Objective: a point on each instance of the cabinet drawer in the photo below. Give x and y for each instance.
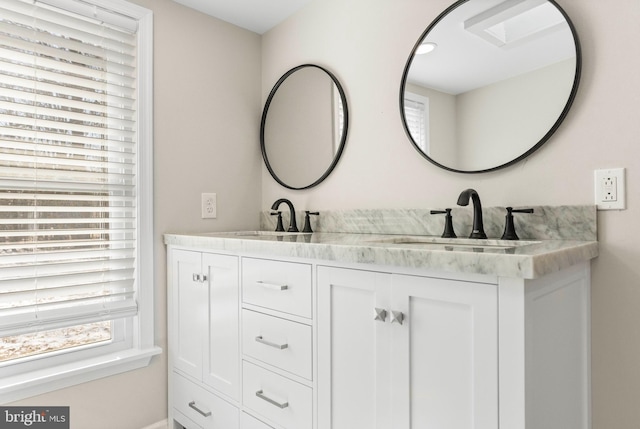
(283, 401)
(278, 342)
(184, 422)
(281, 286)
(203, 407)
(250, 422)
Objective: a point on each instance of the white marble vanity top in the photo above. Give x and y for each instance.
(522, 259)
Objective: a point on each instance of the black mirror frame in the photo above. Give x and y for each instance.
(343, 139)
(543, 140)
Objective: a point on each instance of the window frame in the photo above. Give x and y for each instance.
(134, 344)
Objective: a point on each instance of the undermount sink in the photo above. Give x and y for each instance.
(250, 233)
(451, 244)
(256, 234)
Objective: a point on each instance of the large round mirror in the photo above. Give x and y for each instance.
(304, 127)
(489, 81)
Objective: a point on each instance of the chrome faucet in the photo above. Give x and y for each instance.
(463, 200)
(293, 227)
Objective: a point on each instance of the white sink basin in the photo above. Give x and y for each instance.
(257, 235)
(253, 233)
(454, 244)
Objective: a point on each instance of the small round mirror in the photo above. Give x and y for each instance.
(489, 82)
(304, 127)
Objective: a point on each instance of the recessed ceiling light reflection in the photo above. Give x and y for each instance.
(425, 48)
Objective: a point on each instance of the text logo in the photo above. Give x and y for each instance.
(34, 417)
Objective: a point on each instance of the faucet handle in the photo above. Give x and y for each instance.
(509, 226)
(307, 221)
(279, 226)
(448, 223)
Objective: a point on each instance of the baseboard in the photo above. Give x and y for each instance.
(163, 424)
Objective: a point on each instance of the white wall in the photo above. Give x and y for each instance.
(207, 117)
(542, 93)
(366, 43)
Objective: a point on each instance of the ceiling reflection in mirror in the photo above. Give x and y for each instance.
(304, 127)
(496, 81)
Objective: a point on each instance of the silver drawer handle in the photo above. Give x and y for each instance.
(192, 404)
(270, 344)
(261, 395)
(272, 285)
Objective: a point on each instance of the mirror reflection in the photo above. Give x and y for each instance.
(304, 127)
(489, 82)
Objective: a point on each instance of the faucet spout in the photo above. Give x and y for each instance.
(478, 226)
(293, 227)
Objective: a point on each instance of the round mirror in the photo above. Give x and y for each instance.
(304, 127)
(489, 81)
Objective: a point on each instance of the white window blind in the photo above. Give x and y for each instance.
(416, 117)
(67, 167)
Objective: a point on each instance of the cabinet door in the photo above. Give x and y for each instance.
(353, 350)
(188, 313)
(445, 354)
(222, 358)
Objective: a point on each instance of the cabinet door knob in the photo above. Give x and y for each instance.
(381, 314)
(270, 344)
(397, 317)
(200, 278)
(193, 405)
(260, 394)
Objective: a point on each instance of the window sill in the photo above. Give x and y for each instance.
(33, 383)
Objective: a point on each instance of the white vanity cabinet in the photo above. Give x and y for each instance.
(204, 373)
(271, 340)
(406, 351)
(418, 351)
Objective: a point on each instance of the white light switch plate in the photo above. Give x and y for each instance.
(609, 186)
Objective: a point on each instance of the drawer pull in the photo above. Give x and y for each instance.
(192, 404)
(270, 344)
(262, 396)
(272, 285)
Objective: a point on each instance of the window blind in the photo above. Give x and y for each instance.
(67, 168)
(414, 113)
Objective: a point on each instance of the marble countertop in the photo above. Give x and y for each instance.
(521, 259)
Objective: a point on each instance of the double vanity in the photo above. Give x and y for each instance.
(384, 318)
(366, 324)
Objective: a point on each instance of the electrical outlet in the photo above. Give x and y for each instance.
(209, 206)
(610, 189)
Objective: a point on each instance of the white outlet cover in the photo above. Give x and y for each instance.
(209, 205)
(601, 191)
